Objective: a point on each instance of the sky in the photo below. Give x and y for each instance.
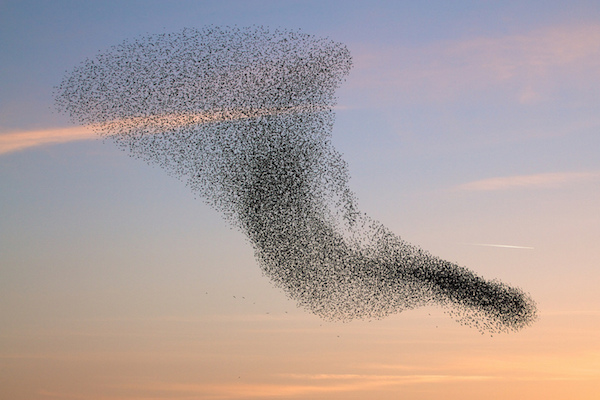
(470, 129)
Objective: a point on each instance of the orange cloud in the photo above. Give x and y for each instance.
(16, 141)
(299, 385)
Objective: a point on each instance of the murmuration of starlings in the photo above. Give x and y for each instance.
(244, 117)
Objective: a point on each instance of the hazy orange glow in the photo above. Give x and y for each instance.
(546, 367)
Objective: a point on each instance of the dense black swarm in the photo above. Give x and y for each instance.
(244, 116)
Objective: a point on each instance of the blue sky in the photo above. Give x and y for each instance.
(463, 124)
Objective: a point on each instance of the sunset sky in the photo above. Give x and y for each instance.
(470, 128)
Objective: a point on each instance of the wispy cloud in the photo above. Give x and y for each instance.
(529, 66)
(303, 385)
(371, 379)
(22, 140)
(16, 141)
(547, 180)
(295, 385)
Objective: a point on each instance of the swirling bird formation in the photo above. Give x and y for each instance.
(244, 116)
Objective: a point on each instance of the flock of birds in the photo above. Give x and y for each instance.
(244, 116)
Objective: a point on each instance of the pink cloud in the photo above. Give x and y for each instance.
(528, 181)
(529, 66)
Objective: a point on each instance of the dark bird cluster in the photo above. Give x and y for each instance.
(244, 117)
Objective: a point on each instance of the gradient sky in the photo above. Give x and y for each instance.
(471, 128)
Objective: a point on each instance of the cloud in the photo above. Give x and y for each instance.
(297, 385)
(16, 141)
(530, 66)
(546, 369)
(548, 180)
(22, 140)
